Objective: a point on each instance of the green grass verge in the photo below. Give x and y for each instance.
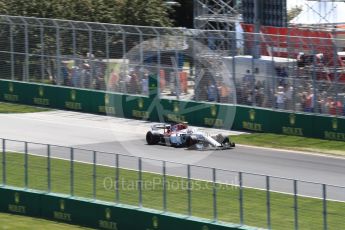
(14, 222)
(17, 108)
(282, 211)
(291, 143)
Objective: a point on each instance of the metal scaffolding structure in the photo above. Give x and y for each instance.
(215, 14)
(319, 14)
(224, 14)
(214, 19)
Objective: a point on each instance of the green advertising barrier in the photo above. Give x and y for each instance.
(136, 107)
(20, 202)
(307, 125)
(43, 95)
(106, 103)
(152, 108)
(268, 121)
(251, 119)
(330, 128)
(181, 111)
(82, 100)
(197, 113)
(100, 215)
(294, 124)
(14, 92)
(73, 99)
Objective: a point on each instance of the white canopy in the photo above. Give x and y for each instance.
(321, 12)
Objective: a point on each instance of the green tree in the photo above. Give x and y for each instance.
(139, 12)
(135, 12)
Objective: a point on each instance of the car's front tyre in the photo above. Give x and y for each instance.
(191, 141)
(226, 142)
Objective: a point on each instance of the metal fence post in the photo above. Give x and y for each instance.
(141, 50)
(107, 56)
(241, 197)
(3, 161)
(12, 50)
(90, 54)
(295, 203)
(72, 172)
(58, 51)
(94, 173)
(42, 49)
(268, 202)
(26, 38)
(233, 65)
(189, 190)
(335, 72)
(140, 182)
(49, 167)
(124, 50)
(164, 188)
(314, 76)
(274, 85)
(90, 31)
(26, 164)
(324, 204)
(174, 61)
(74, 43)
(117, 174)
(214, 179)
(158, 60)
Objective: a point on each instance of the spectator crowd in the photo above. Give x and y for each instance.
(96, 75)
(292, 93)
(280, 92)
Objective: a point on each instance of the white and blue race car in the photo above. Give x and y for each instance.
(180, 135)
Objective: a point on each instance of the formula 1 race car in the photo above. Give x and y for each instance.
(180, 135)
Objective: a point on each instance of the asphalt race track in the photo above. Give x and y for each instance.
(127, 137)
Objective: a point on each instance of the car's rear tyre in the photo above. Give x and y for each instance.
(152, 138)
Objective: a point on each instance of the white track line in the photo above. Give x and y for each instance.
(295, 151)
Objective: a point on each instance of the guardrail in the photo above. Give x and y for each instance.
(191, 190)
(153, 108)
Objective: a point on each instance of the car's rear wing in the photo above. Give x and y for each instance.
(160, 126)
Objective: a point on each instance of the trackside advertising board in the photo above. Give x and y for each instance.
(98, 215)
(152, 108)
